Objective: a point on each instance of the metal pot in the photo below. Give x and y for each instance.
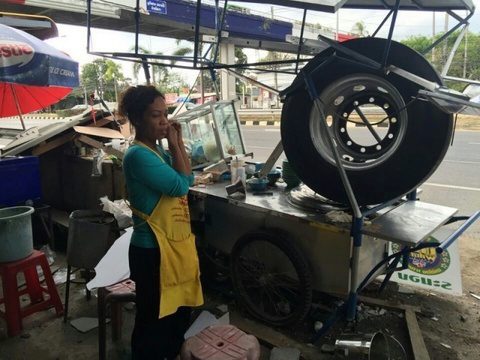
(362, 346)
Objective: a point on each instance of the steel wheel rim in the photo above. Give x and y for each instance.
(344, 100)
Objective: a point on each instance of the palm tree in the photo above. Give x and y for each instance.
(101, 73)
(360, 29)
(275, 56)
(159, 71)
(155, 70)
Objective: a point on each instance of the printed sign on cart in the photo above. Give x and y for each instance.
(158, 7)
(432, 271)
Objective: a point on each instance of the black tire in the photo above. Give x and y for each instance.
(422, 138)
(268, 295)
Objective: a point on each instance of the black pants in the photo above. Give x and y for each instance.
(153, 338)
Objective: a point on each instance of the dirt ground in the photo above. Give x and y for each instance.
(458, 324)
(468, 122)
(450, 326)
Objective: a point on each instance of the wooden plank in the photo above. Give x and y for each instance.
(99, 131)
(420, 351)
(99, 145)
(50, 145)
(125, 129)
(387, 304)
(102, 122)
(272, 338)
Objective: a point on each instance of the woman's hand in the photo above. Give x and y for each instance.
(172, 136)
(181, 162)
(176, 125)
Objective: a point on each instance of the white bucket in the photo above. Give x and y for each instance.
(16, 240)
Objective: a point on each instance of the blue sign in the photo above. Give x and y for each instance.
(157, 7)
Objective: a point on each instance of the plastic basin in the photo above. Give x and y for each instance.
(16, 241)
(256, 184)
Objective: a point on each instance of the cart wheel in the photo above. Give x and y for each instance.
(271, 278)
(405, 139)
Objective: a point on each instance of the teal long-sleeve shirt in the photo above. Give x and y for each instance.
(147, 178)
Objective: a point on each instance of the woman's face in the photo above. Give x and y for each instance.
(155, 119)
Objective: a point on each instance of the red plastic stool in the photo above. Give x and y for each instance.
(11, 294)
(221, 342)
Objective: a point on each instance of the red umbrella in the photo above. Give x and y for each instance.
(30, 98)
(33, 74)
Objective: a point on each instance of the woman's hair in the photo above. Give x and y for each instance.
(135, 101)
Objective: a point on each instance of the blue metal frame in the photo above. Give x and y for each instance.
(349, 308)
(201, 63)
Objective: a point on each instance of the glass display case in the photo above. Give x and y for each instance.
(211, 132)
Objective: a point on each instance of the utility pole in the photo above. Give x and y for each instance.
(445, 42)
(433, 36)
(116, 90)
(337, 25)
(275, 74)
(465, 54)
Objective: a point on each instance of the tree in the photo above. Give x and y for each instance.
(418, 42)
(174, 84)
(469, 66)
(240, 58)
(360, 29)
(155, 71)
(276, 56)
(102, 76)
(160, 73)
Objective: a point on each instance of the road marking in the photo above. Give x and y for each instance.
(266, 129)
(462, 162)
(453, 186)
(474, 143)
(260, 147)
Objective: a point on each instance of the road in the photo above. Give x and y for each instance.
(456, 182)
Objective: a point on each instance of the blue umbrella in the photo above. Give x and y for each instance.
(33, 74)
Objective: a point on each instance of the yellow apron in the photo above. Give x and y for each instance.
(179, 267)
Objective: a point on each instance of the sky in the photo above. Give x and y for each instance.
(72, 39)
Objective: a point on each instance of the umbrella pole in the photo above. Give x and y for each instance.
(17, 105)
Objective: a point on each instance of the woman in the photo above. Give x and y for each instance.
(162, 255)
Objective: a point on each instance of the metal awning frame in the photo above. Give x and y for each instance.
(197, 61)
(202, 62)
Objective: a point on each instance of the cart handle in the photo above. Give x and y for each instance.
(444, 245)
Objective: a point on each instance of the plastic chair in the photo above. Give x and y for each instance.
(90, 235)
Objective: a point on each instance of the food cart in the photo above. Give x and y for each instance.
(285, 243)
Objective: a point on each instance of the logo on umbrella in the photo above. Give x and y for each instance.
(33, 75)
(15, 52)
